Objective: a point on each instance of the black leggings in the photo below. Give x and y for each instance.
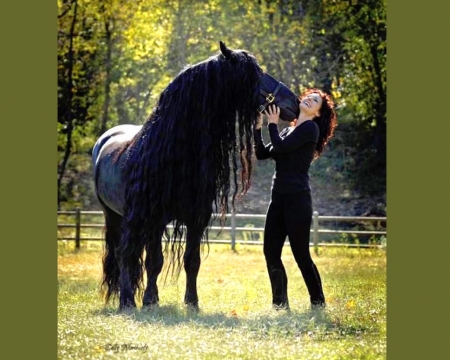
(290, 215)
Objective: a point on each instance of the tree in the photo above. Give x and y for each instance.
(115, 57)
(75, 78)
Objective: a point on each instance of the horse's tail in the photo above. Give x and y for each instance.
(111, 270)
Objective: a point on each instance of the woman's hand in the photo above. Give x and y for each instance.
(273, 114)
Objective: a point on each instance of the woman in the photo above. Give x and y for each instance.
(290, 209)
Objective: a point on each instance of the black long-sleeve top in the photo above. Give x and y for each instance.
(293, 151)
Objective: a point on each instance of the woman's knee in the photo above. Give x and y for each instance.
(303, 259)
(273, 262)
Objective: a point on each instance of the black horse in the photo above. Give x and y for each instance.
(176, 168)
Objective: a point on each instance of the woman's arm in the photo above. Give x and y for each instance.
(262, 151)
(298, 137)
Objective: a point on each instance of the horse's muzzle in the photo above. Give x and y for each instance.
(275, 92)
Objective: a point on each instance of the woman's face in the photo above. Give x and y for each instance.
(310, 105)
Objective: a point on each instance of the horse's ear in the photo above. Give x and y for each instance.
(225, 51)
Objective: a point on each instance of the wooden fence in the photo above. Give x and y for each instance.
(248, 232)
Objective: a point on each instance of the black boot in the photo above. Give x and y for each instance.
(278, 281)
(314, 284)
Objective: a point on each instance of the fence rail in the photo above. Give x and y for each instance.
(78, 225)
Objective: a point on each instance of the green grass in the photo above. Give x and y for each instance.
(236, 320)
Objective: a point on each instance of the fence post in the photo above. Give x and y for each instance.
(233, 230)
(77, 227)
(316, 231)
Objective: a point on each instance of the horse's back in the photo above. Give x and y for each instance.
(117, 134)
(108, 167)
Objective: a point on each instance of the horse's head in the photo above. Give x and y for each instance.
(271, 91)
(275, 92)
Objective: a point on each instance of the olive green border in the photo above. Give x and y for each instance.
(28, 181)
(417, 179)
(418, 195)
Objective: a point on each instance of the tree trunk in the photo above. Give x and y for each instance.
(108, 80)
(69, 118)
(379, 133)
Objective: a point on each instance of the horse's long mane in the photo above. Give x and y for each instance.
(180, 164)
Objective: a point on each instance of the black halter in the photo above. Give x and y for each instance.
(270, 97)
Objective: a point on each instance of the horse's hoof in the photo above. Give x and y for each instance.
(150, 306)
(281, 306)
(130, 305)
(192, 308)
(150, 300)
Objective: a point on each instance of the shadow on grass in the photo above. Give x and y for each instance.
(322, 323)
(265, 323)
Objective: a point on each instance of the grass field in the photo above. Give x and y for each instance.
(235, 319)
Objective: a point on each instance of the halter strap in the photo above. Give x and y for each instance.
(270, 97)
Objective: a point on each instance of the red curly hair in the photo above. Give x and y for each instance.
(327, 120)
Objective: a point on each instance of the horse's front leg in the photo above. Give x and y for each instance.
(192, 267)
(153, 264)
(126, 297)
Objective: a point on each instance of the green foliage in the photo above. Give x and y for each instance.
(115, 58)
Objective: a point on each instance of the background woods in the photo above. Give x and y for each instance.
(116, 56)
